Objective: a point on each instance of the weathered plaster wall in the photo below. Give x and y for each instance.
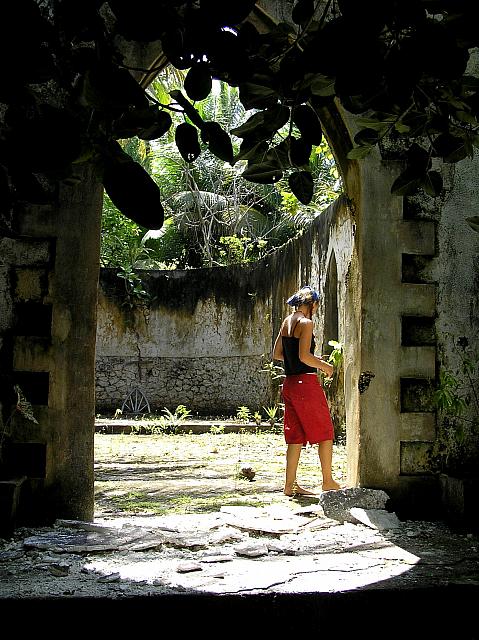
(196, 348)
(206, 334)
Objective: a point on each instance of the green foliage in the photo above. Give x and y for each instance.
(212, 215)
(176, 417)
(217, 429)
(447, 397)
(166, 250)
(276, 372)
(456, 399)
(168, 422)
(272, 413)
(243, 414)
(234, 250)
(135, 294)
(336, 356)
(70, 97)
(276, 375)
(120, 237)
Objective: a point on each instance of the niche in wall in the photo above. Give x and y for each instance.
(331, 323)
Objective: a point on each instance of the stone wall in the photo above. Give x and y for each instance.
(205, 334)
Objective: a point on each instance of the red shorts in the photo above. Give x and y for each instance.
(306, 410)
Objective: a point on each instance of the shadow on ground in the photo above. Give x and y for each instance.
(179, 538)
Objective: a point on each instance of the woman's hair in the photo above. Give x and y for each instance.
(305, 295)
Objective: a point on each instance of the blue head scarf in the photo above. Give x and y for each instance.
(305, 295)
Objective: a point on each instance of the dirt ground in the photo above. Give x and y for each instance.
(178, 520)
(197, 473)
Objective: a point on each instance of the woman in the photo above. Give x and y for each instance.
(306, 411)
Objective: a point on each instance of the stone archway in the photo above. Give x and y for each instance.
(387, 442)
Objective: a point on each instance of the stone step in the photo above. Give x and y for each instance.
(195, 426)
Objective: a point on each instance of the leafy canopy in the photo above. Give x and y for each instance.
(69, 97)
(212, 215)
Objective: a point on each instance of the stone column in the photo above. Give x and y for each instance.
(62, 360)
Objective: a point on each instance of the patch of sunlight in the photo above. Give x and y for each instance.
(298, 573)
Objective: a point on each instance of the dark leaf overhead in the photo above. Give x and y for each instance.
(218, 141)
(133, 192)
(186, 138)
(397, 67)
(198, 81)
(301, 184)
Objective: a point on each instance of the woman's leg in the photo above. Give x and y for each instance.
(325, 449)
(291, 487)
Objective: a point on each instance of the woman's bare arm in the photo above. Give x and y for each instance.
(278, 348)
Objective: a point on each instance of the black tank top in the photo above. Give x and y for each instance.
(292, 364)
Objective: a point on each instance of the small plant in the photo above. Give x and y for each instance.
(275, 372)
(272, 413)
(243, 414)
(217, 429)
(335, 358)
(276, 375)
(336, 355)
(175, 418)
(135, 292)
(257, 417)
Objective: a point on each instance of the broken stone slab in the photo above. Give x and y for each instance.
(188, 567)
(376, 518)
(268, 525)
(112, 577)
(226, 534)
(159, 539)
(216, 558)
(81, 541)
(337, 504)
(263, 521)
(84, 526)
(281, 546)
(310, 509)
(59, 569)
(6, 556)
(251, 550)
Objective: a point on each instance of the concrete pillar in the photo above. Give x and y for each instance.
(396, 432)
(56, 368)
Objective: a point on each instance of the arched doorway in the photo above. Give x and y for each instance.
(383, 437)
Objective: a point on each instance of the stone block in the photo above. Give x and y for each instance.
(415, 458)
(418, 362)
(337, 504)
(376, 518)
(417, 236)
(417, 299)
(418, 426)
